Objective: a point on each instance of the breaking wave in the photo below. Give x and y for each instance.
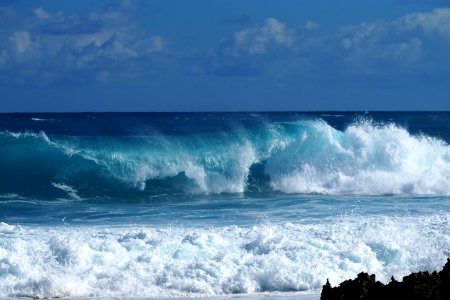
(306, 156)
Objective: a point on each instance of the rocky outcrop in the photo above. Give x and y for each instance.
(420, 285)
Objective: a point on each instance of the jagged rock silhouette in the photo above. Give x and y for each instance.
(416, 286)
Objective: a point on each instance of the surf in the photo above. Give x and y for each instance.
(306, 156)
(141, 261)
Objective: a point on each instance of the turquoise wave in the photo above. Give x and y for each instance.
(305, 156)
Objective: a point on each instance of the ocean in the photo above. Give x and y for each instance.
(219, 205)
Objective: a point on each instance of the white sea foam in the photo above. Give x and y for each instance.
(41, 120)
(173, 262)
(11, 196)
(364, 159)
(26, 134)
(71, 192)
(8, 229)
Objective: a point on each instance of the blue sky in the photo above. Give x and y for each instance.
(224, 55)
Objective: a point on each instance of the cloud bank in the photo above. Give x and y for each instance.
(39, 47)
(43, 47)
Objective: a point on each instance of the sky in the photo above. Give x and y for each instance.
(224, 55)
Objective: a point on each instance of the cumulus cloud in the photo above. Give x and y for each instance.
(435, 22)
(258, 39)
(246, 52)
(242, 54)
(410, 40)
(105, 43)
(418, 41)
(21, 41)
(41, 13)
(71, 43)
(155, 44)
(311, 25)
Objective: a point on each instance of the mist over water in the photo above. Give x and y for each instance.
(177, 205)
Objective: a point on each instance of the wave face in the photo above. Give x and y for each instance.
(306, 155)
(161, 262)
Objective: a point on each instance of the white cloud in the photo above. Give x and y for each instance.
(99, 41)
(117, 48)
(42, 47)
(407, 52)
(367, 48)
(311, 25)
(156, 44)
(248, 51)
(437, 21)
(42, 14)
(411, 27)
(256, 40)
(346, 43)
(362, 34)
(97, 38)
(399, 41)
(21, 42)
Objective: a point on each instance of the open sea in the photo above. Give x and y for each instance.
(219, 205)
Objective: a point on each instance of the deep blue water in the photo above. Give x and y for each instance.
(177, 204)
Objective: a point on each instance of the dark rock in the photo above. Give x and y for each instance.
(416, 286)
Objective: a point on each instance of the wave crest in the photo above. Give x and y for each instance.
(364, 159)
(306, 156)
